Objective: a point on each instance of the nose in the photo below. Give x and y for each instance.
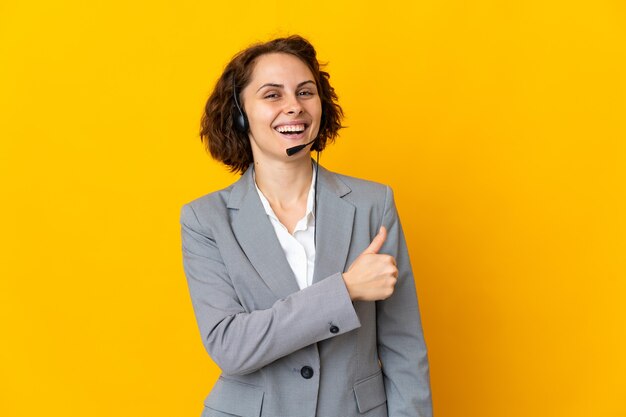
(293, 106)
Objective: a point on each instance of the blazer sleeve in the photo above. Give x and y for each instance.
(401, 345)
(241, 342)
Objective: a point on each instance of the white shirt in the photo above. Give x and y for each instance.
(299, 248)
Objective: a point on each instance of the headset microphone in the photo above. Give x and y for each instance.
(295, 149)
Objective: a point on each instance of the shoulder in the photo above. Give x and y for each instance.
(203, 209)
(364, 192)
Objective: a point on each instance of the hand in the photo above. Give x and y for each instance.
(372, 276)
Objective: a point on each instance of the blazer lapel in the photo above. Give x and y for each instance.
(257, 238)
(334, 222)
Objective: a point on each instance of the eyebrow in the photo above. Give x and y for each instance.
(282, 86)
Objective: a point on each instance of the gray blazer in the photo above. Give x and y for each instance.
(286, 352)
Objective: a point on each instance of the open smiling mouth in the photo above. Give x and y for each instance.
(291, 131)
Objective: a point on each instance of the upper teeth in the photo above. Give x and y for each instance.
(290, 128)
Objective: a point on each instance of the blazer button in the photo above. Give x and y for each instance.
(334, 329)
(306, 372)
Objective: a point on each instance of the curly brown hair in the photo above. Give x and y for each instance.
(217, 131)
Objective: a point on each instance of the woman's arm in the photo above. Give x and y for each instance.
(401, 346)
(242, 342)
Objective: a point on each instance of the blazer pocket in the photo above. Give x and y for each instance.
(236, 398)
(370, 392)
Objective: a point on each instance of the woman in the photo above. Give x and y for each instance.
(299, 277)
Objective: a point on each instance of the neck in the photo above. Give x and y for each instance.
(284, 184)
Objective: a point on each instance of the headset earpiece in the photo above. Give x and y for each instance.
(240, 120)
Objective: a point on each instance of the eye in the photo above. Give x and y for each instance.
(305, 93)
(271, 96)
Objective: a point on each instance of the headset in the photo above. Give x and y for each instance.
(240, 121)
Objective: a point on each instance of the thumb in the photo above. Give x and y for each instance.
(377, 242)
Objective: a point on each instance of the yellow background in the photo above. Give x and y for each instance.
(500, 125)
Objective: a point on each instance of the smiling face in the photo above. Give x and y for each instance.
(283, 107)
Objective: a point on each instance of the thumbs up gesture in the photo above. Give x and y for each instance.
(372, 276)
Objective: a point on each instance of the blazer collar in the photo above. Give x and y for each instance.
(255, 234)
